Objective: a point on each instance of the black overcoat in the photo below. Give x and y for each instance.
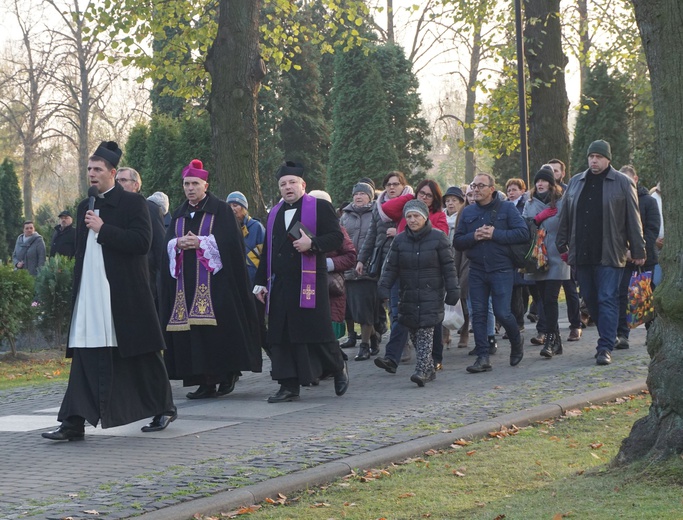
(287, 321)
(233, 344)
(423, 264)
(125, 237)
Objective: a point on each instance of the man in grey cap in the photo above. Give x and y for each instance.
(599, 231)
(64, 237)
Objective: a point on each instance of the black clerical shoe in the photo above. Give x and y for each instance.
(226, 387)
(283, 396)
(64, 434)
(341, 381)
(159, 422)
(203, 392)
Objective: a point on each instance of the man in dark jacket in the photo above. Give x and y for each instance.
(131, 181)
(599, 223)
(293, 276)
(651, 220)
(64, 237)
(117, 373)
(485, 230)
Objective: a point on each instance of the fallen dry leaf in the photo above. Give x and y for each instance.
(499, 517)
(242, 511)
(406, 495)
(596, 445)
(92, 512)
(458, 473)
(470, 453)
(321, 504)
(462, 442)
(594, 455)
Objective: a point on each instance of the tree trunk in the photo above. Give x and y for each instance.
(390, 22)
(584, 42)
(83, 117)
(471, 98)
(27, 181)
(660, 434)
(548, 133)
(234, 64)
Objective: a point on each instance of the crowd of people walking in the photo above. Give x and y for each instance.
(194, 294)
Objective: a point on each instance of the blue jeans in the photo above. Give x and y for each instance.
(490, 322)
(498, 286)
(599, 287)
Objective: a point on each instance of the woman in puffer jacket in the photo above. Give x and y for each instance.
(421, 259)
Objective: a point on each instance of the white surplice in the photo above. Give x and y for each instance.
(92, 323)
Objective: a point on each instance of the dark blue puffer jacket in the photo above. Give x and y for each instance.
(490, 255)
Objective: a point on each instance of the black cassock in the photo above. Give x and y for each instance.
(207, 354)
(302, 341)
(123, 384)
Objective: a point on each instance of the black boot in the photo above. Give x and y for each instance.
(548, 345)
(363, 352)
(557, 346)
(493, 346)
(517, 351)
(482, 364)
(350, 341)
(374, 344)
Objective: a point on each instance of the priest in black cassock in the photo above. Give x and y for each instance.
(205, 303)
(292, 280)
(117, 373)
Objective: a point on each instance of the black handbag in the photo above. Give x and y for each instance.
(335, 284)
(375, 265)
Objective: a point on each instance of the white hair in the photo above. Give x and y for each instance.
(320, 194)
(160, 199)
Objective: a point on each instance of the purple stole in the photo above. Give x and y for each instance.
(308, 261)
(201, 312)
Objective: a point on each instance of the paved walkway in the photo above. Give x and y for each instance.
(238, 447)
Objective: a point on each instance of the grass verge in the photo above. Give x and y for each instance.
(555, 469)
(33, 368)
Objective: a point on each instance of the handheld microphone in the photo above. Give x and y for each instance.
(92, 193)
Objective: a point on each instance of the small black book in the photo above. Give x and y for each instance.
(297, 229)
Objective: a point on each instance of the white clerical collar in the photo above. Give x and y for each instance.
(289, 215)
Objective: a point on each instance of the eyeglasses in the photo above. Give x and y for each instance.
(122, 181)
(479, 186)
(425, 195)
(392, 184)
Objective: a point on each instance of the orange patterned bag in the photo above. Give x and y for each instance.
(640, 308)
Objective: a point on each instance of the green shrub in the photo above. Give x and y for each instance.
(53, 294)
(16, 296)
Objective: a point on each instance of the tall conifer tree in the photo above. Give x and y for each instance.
(362, 142)
(12, 210)
(606, 117)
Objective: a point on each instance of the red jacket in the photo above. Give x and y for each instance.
(394, 210)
